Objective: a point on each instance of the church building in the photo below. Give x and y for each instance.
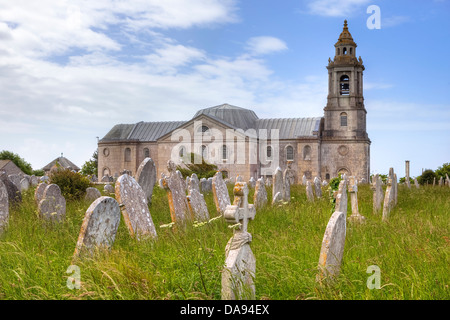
(240, 143)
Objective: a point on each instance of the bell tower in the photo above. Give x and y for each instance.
(345, 143)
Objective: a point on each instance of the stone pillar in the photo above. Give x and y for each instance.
(407, 173)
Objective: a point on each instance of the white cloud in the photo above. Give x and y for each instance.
(265, 45)
(335, 8)
(387, 22)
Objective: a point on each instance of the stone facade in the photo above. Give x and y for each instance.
(240, 143)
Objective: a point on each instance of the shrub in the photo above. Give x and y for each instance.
(427, 176)
(202, 170)
(73, 185)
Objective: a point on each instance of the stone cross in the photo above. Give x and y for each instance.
(174, 184)
(53, 205)
(353, 190)
(309, 191)
(4, 207)
(146, 177)
(317, 187)
(389, 200)
(240, 262)
(135, 212)
(99, 226)
(260, 195)
(220, 193)
(332, 249)
(377, 193)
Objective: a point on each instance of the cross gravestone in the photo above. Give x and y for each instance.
(341, 196)
(278, 186)
(53, 205)
(389, 200)
(4, 207)
(377, 193)
(240, 262)
(135, 212)
(146, 177)
(317, 187)
(309, 191)
(332, 249)
(174, 185)
(99, 226)
(353, 190)
(220, 193)
(260, 195)
(92, 194)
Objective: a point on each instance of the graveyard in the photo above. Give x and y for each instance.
(154, 252)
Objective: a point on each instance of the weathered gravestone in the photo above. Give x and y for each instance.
(193, 182)
(196, 201)
(4, 207)
(206, 185)
(389, 200)
(99, 226)
(287, 181)
(395, 188)
(53, 205)
(240, 262)
(416, 183)
(278, 186)
(135, 212)
(353, 190)
(174, 185)
(239, 178)
(332, 250)
(260, 195)
(14, 194)
(317, 187)
(24, 184)
(440, 181)
(341, 196)
(146, 177)
(377, 189)
(92, 194)
(251, 182)
(447, 181)
(108, 188)
(15, 178)
(289, 174)
(304, 180)
(39, 192)
(309, 191)
(220, 193)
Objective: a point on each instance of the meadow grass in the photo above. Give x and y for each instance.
(411, 250)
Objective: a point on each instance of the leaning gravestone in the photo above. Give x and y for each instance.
(4, 207)
(260, 195)
(341, 196)
(332, 249)
(39, 192)
(175, 187)
(317, 187)
(309, 191)
(389, 200)
(14, 194)
(99, 226)
(136, 214)
(353, 190)
(220, 193)
(240, 262)
(377, 193)
(146, 177)
(197, 204)
(92, 194)
(15, 178)
(53, 205)
(278, 186)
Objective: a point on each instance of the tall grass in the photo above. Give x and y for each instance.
(411, 249)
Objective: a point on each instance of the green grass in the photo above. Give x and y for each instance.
(411, 249)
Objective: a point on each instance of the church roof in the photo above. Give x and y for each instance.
(291, 128)
(345, 37)
(236, 117)
(142, 131)
(63, 162)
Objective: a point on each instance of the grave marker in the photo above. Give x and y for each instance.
(146, 177)
(4, 207)
(220, 193)
(53, 205)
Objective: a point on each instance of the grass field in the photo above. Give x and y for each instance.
(411, 251)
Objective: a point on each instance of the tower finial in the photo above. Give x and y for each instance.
(345, 23)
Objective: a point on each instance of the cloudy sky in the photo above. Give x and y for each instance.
(71, 70)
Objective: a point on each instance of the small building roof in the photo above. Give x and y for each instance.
(10, 167)
(63, 162)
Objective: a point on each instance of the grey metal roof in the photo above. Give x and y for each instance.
(291, 128)
(236, 117)
(118, 132)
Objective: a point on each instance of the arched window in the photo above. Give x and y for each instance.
(344, 85)
(344, 51)
(106, 172)
(289, 153)
(127, 154)
(269, 153)
(307, 153)
(146, 153)
(224, 152)
(351, 50)
(327, 176)
(203, 129)
(204, 152)
(182, 152)
(343, 119)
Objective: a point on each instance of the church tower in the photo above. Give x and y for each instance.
(344, 135)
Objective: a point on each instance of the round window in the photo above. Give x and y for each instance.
(106, 152)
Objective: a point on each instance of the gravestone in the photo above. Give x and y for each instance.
(395, 188)
(332, 249)
(251, 182)
(304, 180)
(260, 195)
(440, 181)
(389, 200)
(4, 207)
(287, 181)
(53, 205)
(317, 187)
(416, 183)
(193, 182)
(341, 196)
(309, 191)
(146, 177)
(92, 194)
(434, 181)
(239, 178)
(278, 186)
(15, 178)
(240, 262)
(377, 193)
(94, 178)
(353, 190)
(44, 179)
(34, 181)
(14, 194)
(175, 187)
(108, 188)
(24, 184)
(289, 174)
(220, 193)
(408, 183)
(105, 179)
(99, 226)
(447, 181)
(39, 192)
(206, 185)
(135, 212)
(197, 204)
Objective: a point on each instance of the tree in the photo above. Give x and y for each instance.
(442, 170)
(202, 170)
(90, 167)
(427, 176)
(18, 161)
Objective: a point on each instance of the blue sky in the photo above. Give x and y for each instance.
(70, 70)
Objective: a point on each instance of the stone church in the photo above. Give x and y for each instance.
(240, 143)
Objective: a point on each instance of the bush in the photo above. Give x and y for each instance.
(427, 176)
(202, 170)
(73, 185)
